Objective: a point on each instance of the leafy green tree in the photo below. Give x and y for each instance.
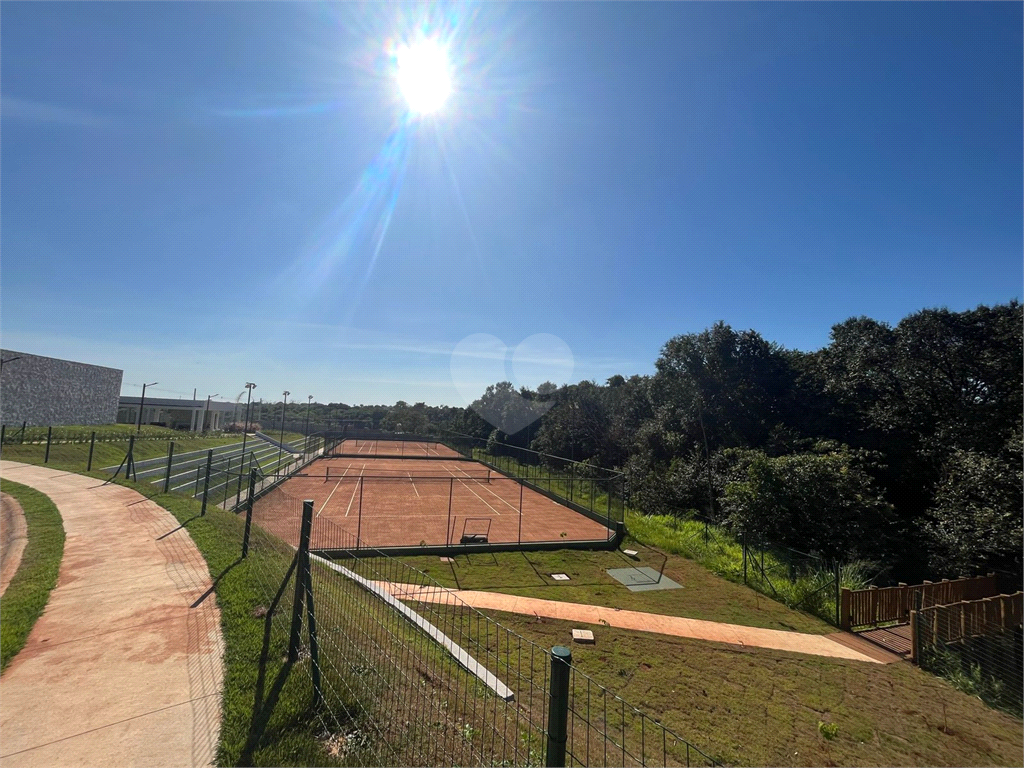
(820, 502)
(976, 521)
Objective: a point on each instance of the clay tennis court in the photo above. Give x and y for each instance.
(411, 502)
(418, 448)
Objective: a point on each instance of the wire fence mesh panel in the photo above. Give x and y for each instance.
(402, 672)
(976, 645)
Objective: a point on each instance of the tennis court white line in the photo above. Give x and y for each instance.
(332, 493)
(413, 484)
(514, 508)
(465, 485)
(354, 490)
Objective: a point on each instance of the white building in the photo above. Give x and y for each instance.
(191, 415)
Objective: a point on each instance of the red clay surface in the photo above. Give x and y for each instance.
(398, 503)
(397, 448)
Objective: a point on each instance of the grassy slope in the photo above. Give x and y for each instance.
(74, 456)
(703, 595)
(760, 707)
(26, 595)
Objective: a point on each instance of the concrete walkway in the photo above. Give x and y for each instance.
(734, 634)
(124, 667)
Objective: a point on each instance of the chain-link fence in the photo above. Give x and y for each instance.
(976, 645)
(404, 673)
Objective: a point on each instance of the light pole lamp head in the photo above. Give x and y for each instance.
(286, 393)
(250, 385)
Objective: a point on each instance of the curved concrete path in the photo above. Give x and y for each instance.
(124, 667)
(698, 629)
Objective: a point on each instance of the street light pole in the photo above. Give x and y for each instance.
(142, 402)
(309, 402)
(245, 433)
(206, 413)
(280, 445)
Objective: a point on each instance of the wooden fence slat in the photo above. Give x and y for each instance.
(876, 605)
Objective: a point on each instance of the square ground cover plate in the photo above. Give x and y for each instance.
(642, 579)
(559, 577)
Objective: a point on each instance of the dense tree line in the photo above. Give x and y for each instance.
(899, 444)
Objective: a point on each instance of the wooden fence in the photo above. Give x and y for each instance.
(960, 621)
(873, 606)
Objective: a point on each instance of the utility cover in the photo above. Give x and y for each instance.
(642, 579)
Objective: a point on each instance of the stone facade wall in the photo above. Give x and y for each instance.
(45, 391)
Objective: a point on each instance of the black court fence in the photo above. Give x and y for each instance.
(400, 511)
(392, 446)
(218, 475)
(977, 646)
(402, 672)
(583, 486)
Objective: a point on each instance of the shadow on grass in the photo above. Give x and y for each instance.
(263, 705)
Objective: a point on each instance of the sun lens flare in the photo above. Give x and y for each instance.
(423, 75)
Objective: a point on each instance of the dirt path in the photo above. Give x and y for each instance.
(13, 538)
(124, 666)
(734, 634)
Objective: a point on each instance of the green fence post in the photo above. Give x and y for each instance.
(743, 538)
(24, 424)
(248, 512)
(92, 446)
(301, 565)
(206, 484)
(558, 709)
(314, 644)
(170, 459)
(838, 591)
(49, 435)
(3, 431)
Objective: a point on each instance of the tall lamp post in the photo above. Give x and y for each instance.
(206, 413)
(245, 433)
(309, 402)
(142, 402)
(280, 445)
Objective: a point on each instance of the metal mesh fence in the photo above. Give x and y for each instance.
(404, 673)
(976, 645)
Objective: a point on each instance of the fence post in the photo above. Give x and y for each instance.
(520, 539)
(206, 483)
(314, 643)
(170, 459)
(248, 512)
(3, 432)
(24, 424)
(92, 445)
(558, 707)
(129, 468)
(49, 435)
(915, 638)
(448, 530)
(301, 564)
(359, 521)
(844, 612)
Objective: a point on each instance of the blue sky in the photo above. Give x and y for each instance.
(206, 194)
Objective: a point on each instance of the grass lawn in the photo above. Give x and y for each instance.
(26, 595)
(761, 707)
(75, 456)
(704, 595)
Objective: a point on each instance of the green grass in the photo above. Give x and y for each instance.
(722, 554)
(703, 595)
(26, 595)
(74, 456)
(761, 707)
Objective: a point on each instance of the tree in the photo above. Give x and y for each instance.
(824, 503)
(975, 524)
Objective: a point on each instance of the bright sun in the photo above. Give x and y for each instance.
(423, 75)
